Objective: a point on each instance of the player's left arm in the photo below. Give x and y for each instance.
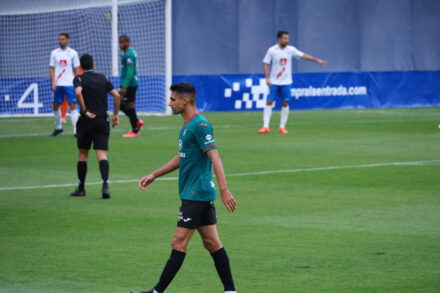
(227, 198)
(116, 104)
(311, 58)
(76, 71)
(76, 65)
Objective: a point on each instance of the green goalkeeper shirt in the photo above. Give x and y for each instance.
(195, 170)
(128, 70)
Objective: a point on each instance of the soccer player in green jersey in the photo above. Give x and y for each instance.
(129, 85)
(197, 156)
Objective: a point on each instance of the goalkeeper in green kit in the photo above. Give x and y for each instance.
(129, 85)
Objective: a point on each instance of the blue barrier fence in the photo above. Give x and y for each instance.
(29, 96)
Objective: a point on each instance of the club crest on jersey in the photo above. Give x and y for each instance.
(283, 61)
(63, 63)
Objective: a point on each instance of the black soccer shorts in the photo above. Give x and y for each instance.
(96, 131)
(194, 214)
(130, 96)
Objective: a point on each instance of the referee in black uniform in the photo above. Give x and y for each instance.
(93, 126)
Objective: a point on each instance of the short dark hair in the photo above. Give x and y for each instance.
(86, 61)
(281, 33)
(65, 34)
(185, 89)
(124, 37)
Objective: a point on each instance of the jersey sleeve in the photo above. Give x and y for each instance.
(268, 57)
(75, 60)
(204, 135)
(296, 53)
(77, 82)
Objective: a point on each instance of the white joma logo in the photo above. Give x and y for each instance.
(186, 220)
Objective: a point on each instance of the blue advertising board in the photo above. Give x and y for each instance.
(321, 90)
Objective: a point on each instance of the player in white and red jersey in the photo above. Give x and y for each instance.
(279, 57)
(64, 65)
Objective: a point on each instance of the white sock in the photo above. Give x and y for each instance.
(284, 116)
(267, 112)
(57, 116)
(74, 117)
(154, 291)
(230, 291)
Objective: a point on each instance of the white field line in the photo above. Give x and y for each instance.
(239, 174)
(68, 132)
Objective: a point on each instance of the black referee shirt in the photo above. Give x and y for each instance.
(95, 88)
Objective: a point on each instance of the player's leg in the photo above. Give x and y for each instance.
(58, 97)
(128, 107)
(267, 112)
(212, 243)
(100, 144)
(189, 217)
(81, 169)
(64, 111)
(74, 114)
(131, 93)
(84, 142)
(180, 241)
(285, 98)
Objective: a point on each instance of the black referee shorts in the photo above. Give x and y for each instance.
(194, 214)
(96, 130)
(130, 96)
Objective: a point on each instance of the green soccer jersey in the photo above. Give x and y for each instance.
(128, 70)
(195, 170)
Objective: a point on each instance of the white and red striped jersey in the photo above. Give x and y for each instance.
(281, 63)
(64, 61)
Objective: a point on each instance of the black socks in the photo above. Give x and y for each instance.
(221, 262)
(171, 268)
(104, 168)
(81, 168)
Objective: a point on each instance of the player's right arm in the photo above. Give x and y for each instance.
(266, 74)
(52, 77)
(266, 61)
(169, 167)
(79, 97)
(53, 81)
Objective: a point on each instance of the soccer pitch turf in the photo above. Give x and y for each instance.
(356, 209)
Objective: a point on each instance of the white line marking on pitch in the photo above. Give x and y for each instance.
(239, 174)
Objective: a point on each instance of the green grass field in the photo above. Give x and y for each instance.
(331, 222)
